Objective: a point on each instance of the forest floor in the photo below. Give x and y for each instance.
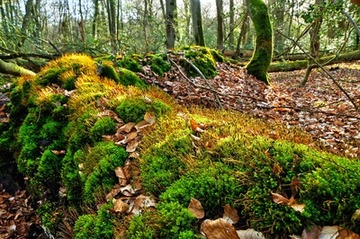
(319, 107)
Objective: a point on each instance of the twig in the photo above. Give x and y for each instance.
(210, 88)
(325, 71)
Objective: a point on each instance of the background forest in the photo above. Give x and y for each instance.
(50, 28)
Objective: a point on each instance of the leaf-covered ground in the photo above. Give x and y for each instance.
(319, 107)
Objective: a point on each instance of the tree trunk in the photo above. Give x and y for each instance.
(261, 59)
(26, 21)
(220, 34)
(197, 22)
(170, 23)
(95, 18)
(13, 69)
(232, 25)
(314, 41)
(243, 32)
(111, 11)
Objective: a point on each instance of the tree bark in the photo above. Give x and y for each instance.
(232, 25)
(314, 41)
(197, 22)
(170, 23)
(220, 34)
(13, 69)
(262, 56)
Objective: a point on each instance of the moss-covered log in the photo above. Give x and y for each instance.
(261, 59)
(13, 69)
(302, 64)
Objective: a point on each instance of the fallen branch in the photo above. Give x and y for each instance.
(13, 69)
(325, 71)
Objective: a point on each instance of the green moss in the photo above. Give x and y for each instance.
(51, 76)
(128, 77)
(203, 59)
(214, 186)
(100, 226)
(159, 64)
(107, 70)
(176, 220)
(102, 127)
(70, 175)
(139, 227)
(261, 59)
(99, 165)
(163, 164)
(130, 63)
(134, 109)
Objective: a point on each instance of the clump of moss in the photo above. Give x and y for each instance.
(213, 186)
(130, 63)
(128, 77)
(102, 127)
(163, 163)
(96, 226)
(159, 64)
(106, 69)
(171, 220)
(134, 109)
(98, 166)
(203, 59)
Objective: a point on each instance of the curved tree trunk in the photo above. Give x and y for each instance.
(13, 69)
(261, 59)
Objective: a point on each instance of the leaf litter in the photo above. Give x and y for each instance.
(319, 107)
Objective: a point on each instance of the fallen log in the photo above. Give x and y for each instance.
(302, 64)
(13, 69)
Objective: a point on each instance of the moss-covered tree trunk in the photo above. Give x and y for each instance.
(261, 59)
(13, 69)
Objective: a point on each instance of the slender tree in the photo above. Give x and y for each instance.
(262, 56)
(220, 22)
(197, 22)
(170, 23)
(231, 24)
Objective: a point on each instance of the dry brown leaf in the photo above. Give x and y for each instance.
(218, 229)
(127, 127)
(130, 136)
(120, 206)
(114, 191)
(250, 234)
(196, 208)
(141, 203)
(196, 127)
(119, 172)
(231, 213)
(59, 152)
(295, 205)
(127, 190)
(311, 233)
(149, 118)
(132, 145)
(279, 199)
(142, 125)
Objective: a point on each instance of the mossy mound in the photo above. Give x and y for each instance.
(56, 129)
(57, 138)
(202, 58)
(240, 161)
